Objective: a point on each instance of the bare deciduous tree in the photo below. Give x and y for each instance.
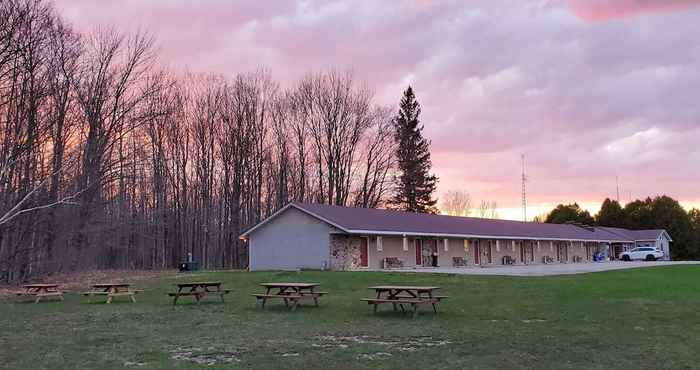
(488, 209)
(456, 203)
(111, 85)
(377, 160)
(107, 161)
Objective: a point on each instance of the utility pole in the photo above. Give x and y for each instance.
(524, 195)
(617, 185)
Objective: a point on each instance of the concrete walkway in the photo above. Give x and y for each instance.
(545, 270)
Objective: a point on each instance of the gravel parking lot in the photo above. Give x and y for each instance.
(548, 270)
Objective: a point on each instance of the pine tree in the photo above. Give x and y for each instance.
(414, 184)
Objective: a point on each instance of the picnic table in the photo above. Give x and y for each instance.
(39, 291)
(290, 293)
(112, 290)
(199, 290)
(399, 295)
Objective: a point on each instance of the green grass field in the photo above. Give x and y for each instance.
(641, 318)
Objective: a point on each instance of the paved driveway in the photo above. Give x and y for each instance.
(547, 270)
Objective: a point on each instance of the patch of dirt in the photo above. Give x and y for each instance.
(131, 363)
(529, 321)
(389, 344)
(200, 357)
(6, 292)
(79, 281)
(374, 356)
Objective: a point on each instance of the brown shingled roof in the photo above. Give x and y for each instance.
(381, 221)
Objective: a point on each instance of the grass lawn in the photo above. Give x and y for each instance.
(640, 318)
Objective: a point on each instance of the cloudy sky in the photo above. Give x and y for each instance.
(587, 90)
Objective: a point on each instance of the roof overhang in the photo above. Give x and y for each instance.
(342, 229)
(668, 236)
(662, 233)
(476, 236)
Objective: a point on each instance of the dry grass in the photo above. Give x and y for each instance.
(78, 281)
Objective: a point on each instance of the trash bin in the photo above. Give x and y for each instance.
(189, 266)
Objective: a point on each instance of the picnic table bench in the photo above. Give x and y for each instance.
(290, 293)
(199, 290)
(399, 296)
(112, 290)
(39, 291)
(392, 262)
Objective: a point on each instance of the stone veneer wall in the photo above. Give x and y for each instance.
(345, 252)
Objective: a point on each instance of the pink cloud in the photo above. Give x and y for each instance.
(495, 78)
(602, 10)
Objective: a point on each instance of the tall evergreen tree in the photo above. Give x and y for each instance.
(414, 185)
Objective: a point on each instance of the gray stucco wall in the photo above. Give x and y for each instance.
(665, 246)
(291, 240)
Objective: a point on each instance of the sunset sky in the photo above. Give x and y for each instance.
(587, 89)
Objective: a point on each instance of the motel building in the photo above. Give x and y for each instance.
(315, 236)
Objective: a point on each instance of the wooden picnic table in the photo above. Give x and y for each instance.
(199, 290)
(39, 291)
(400, 295)
(112, 290)
(289, 293)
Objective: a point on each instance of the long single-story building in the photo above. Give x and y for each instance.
(315, 236)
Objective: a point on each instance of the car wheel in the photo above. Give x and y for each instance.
(626, 258)
(651, 257)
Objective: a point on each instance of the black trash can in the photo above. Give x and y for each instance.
(189, 266)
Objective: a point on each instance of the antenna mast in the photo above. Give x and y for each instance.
(617, 184)
(524, 195)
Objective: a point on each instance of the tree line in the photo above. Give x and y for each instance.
(107, 160)
(661, 212)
